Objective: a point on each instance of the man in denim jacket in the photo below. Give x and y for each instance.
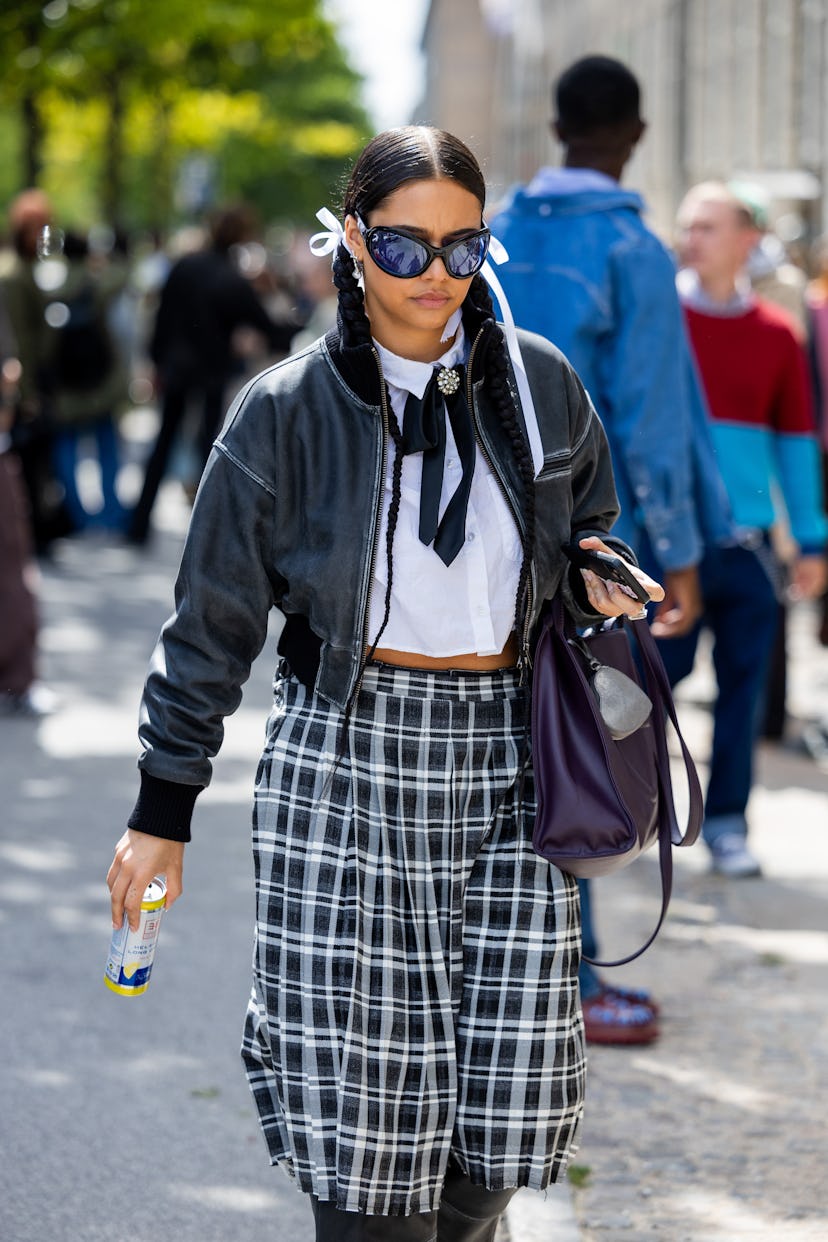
(586, 272)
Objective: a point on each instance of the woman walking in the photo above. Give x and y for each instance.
(413, 1039)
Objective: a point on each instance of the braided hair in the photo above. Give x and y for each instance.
(421, 153)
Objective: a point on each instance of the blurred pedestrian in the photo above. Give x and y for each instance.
(32, 428)
(817, 304)
(319, 292)
(775, 279)
(413, 1040)
(587, 273)
(753, 369)
(21, 695)
(88, 380)
(204, 301)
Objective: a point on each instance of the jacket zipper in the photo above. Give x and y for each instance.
(524, 657)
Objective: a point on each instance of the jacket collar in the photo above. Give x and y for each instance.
(357, 364)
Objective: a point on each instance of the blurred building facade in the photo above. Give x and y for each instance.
(732, 89)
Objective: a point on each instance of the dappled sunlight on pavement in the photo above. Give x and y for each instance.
(717, 1131)
(714, 1133)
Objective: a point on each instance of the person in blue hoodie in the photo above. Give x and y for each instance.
(586, 272)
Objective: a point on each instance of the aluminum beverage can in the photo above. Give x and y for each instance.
(131, 952)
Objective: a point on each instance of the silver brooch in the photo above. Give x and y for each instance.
(448, 381)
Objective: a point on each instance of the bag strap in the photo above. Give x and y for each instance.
(669, 833)
(658, 685)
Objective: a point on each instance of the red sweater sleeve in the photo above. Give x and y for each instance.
(793, 411)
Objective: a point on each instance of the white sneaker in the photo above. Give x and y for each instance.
(33, 703)
(731, 857)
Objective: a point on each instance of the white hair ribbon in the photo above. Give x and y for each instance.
(498, 252)
(327, 242)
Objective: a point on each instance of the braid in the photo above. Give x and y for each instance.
(356, 323)
(351, 299)
(393, 514)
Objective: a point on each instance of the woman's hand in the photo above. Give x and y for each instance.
(608, 597)
(139, 857)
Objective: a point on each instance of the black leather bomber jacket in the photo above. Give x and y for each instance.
(287, 516)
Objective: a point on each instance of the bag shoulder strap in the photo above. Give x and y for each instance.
(669, 833)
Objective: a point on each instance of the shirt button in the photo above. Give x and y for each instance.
(642, 490)
(452, 463)
(470, 537)
(663, 545)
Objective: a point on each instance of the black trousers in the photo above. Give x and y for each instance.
(467, 1213)
(173, 410)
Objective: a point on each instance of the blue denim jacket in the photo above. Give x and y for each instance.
(586, 272)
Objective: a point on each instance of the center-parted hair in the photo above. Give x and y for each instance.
(393, 159)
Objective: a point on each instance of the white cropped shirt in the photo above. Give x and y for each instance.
(437, 609)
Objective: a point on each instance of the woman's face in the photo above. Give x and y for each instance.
(409, 316)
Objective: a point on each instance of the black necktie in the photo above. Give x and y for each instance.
(424, 431)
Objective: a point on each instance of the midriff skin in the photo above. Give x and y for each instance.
(471, 662)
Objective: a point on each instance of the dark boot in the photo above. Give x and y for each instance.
(469, 1213)
(335, 1225)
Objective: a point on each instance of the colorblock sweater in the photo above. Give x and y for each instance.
(754, 373)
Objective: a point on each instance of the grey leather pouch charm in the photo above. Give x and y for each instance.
(623, 705)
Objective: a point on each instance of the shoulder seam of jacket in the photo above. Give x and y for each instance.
(576, 448)
(251, 474)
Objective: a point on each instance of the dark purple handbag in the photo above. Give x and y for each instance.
(601, 763)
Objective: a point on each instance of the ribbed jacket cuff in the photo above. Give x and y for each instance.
(164, 808)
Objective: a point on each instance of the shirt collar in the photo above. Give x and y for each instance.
(413, 376)
(693, 295)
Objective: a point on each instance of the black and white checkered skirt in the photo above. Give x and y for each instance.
(415, 970)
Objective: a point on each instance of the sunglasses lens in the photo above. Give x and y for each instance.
(397, 254)
(468, 256)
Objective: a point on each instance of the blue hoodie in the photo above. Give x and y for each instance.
(586, 272)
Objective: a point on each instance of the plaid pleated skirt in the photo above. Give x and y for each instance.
(415, 972)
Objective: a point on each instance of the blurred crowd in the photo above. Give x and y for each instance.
(96, 326)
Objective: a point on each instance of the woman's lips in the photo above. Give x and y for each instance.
(432, 301)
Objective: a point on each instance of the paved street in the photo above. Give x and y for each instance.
(717, 1131)
(130, 1120)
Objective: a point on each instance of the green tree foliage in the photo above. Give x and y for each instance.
(108, 103)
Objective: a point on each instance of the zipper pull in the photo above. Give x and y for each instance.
(525, 664)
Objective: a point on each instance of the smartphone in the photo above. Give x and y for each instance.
(605, 565)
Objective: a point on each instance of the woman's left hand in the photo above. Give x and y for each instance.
(609, 598)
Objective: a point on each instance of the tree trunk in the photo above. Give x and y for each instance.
(113, 170)
(161, 206)
(32, 139)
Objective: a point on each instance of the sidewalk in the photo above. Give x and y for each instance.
(131, 1119)
(717, 1131)
(127, 1120)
